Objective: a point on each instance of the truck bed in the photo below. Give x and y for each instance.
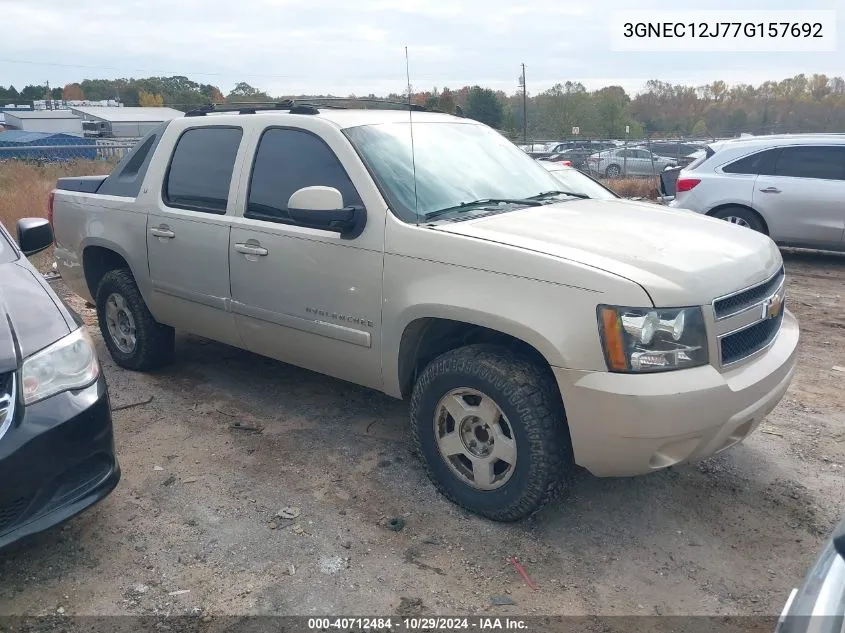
(83, 184)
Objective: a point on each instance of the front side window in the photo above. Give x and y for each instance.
(454, 162)
(288, 160)
(822, 162)
(201, 169)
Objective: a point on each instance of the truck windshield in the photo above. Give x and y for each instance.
(455, 163)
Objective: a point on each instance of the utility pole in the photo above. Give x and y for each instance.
(524, 106)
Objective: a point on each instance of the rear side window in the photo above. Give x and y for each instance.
(761, 163)
(201, 169)
(822, 162)
(286, 161)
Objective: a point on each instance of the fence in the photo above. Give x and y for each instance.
(80, 149)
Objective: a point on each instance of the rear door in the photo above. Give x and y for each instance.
(801, 198)
(188, 233)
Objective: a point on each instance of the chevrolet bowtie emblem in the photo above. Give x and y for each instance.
(772, 307)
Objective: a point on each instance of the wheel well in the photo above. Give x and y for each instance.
(712, 212)
(425, 339)
(96, 262)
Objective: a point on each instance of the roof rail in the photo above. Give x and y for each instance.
(310, 107)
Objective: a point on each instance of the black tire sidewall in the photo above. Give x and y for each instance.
(617, 171)
(484, 502)
(751, 217)
(107, 288)
(153, 341)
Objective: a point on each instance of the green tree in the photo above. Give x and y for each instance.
(447, 101)
(700, 128)
(612, 106)
(244, 92)
(483, 105)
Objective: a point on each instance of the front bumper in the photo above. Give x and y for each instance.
(624, 424)
(56, 460)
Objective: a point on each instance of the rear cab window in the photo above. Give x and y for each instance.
(201, 167)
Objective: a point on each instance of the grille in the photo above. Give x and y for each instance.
(746, 342)
(7, 401)
(747, 298)
(11, 512)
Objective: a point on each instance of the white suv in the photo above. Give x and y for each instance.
(790, 187)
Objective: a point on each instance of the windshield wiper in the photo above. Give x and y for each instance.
(463, 207)
(546, 194)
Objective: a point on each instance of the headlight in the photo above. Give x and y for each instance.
(69, 363)
(647, 339)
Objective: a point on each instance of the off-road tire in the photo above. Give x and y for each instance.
(155, 343)
(528, 397)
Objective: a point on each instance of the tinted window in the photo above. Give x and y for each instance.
(286, 161)
(827, 163)
(756, 164)
(201, 169)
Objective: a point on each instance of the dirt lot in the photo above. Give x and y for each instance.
(195, 510)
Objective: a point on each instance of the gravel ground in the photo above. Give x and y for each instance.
(250, 486)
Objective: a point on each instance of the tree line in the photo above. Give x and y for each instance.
(802, 103)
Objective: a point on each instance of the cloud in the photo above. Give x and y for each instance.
(287, 46)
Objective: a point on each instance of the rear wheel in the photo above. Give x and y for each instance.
(741, 217)
(134, 338)
(612, 171)
(492, 431)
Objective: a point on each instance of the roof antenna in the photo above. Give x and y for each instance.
(411, 127)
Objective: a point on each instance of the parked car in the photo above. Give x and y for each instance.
(587, 146)
(454, 272)
(788, 187)
(578, 157)
(56, 448)
(630, 161)
(818, 605)
(577, 182)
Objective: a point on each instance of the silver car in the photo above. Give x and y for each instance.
(628, 161)
(790, 187)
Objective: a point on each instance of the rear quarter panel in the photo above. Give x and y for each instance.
(83, 220)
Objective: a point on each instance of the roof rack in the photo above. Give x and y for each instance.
(290, 105)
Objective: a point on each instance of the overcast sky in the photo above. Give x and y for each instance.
(357, 46)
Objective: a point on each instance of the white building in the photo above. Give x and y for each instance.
(125, 122)
(63, 121)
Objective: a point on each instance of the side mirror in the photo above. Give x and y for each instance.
(34, 235)
(322, 208)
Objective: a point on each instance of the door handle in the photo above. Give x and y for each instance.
(770, 190)
(250, 249)
(162, 232)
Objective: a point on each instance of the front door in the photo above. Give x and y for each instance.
(301, 295)
(188, 235)
(802, 199)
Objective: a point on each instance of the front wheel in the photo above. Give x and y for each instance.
(612, 171)
(492, 432)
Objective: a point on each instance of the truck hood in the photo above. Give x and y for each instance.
(29, 317)
(680, 258)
